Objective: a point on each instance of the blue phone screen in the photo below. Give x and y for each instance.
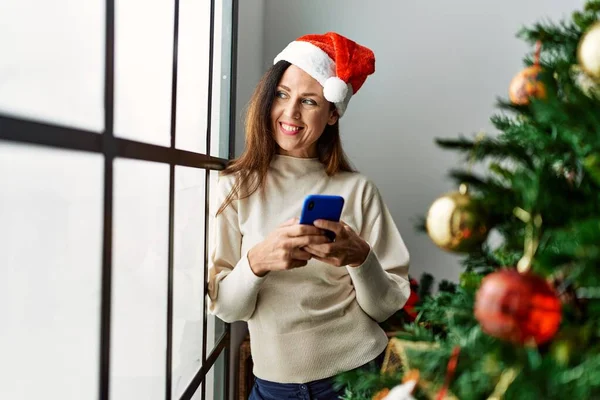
(320, 206)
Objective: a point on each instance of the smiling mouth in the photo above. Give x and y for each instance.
(289, 129)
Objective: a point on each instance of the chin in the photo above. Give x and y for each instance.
(284, 145)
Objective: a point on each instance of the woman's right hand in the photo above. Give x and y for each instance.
(283, 248)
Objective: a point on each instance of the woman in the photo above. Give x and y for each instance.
(312, 305)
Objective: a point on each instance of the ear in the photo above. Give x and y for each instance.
(333, 117)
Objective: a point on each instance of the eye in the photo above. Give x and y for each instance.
(280, 94)
(309, 102)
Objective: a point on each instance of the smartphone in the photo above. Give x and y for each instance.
(322, 206)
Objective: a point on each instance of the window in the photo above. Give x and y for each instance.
(115, 117)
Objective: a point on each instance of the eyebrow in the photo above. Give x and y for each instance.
(303, 94)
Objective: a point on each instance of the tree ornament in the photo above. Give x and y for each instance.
(455, 222)
(526, 84)
(518, 308)
(588, 51)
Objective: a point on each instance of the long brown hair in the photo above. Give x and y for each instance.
(252, 166)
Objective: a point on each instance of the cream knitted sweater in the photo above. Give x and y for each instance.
(316, 321)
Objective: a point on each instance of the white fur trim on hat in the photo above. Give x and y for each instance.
(310, 59)
(315, 62)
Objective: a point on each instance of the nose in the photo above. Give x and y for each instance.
(292, 109)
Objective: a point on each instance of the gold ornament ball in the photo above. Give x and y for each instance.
(456, 223)
(526, 84)
(588, 51)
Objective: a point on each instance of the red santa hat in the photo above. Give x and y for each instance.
(340, 65)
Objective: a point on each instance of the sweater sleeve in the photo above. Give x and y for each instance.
(381, 282)
(232, 286)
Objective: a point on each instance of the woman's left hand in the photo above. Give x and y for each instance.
(348, 248)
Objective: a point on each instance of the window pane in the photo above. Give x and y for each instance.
(215, 379)
(214, 326)
(50, 258)
(219, 138)
(192, 75)
(140, 255)
(188, 286)
(143, 65)
(52, 63)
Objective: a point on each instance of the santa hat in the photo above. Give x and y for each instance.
(340, 65)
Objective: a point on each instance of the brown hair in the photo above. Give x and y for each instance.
(252, 166)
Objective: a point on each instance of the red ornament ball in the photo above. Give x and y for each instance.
(525, 85)
(517, 307)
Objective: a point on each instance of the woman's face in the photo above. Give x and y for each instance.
(300, 113)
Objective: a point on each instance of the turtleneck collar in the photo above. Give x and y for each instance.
(296, 165)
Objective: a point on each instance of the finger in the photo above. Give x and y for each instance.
(325, 250)
(301, 254)
(335, 227)
(315, 251)
(303, 230)
(290, 222)
(301, 241)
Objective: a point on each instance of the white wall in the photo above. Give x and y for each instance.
(250, 59)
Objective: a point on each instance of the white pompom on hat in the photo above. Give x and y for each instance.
(340, 65)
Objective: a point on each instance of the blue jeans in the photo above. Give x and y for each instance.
(321, 389)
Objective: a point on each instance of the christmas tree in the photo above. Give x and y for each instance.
(524, 320)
